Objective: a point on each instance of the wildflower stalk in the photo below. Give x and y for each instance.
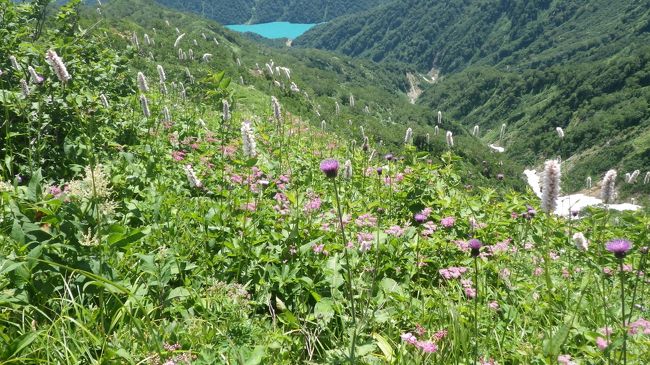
(622, 278)
(476, 308)
(349, 273)
(638, 275)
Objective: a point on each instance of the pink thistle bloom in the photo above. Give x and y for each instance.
(627, 268)
(602, 343)
(448, 222)
(236, 179)
(494, 305)
(529, 246)
(318, 248)
(538, 271)
(608, 271)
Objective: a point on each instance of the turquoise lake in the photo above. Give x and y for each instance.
(273, 30)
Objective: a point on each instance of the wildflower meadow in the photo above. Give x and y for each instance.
(167, 199)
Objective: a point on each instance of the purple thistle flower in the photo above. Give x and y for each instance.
(619, 247)
(379, 170)
(475, 245)
(419, 218)
(389, 157)
(330, 167)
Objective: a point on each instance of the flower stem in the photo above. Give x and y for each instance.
(622, 275)
(349, 273)
(476, 309)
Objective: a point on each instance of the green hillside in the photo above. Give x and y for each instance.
(264, 11)
(534, 66)
(165, 200)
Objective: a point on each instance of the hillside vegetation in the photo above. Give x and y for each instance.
(166, 197)
(532, 65)
(264, 11)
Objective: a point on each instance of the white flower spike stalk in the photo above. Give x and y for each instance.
(581, 241)
(142, 83)
(551, 190)
(192, 178)
(59, 67)
(408, 138)
(475, 131)
(248, 139)
(347, 170)
(450, 139)
(608, 188)
(560, 132)
(161, 74)
(144, 103)
(104, 100)
(178, 40)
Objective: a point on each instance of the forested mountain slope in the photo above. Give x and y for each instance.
(532, 65)
(263, 11)
(450, 35)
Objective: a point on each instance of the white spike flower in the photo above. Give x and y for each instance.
(551, 191)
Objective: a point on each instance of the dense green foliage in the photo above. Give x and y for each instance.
(149, 238)
(535, 66)
(450, 35)
(264, 11)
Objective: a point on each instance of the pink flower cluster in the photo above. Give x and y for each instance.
(425, 346)
(641, 325)
(282, 206)
(468, 287)
(365, 241)
(313, 204)
(452, 272)
(366, 220)
(448, 222)
(429, 229)
(565, 360)
(396, 231)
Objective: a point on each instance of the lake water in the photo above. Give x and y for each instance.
(273, 30)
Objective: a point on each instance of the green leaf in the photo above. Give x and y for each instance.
(324, 310)
(257, 356)
(180, 292)
(384, 346)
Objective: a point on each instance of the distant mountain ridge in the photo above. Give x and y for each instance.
(264, 11)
